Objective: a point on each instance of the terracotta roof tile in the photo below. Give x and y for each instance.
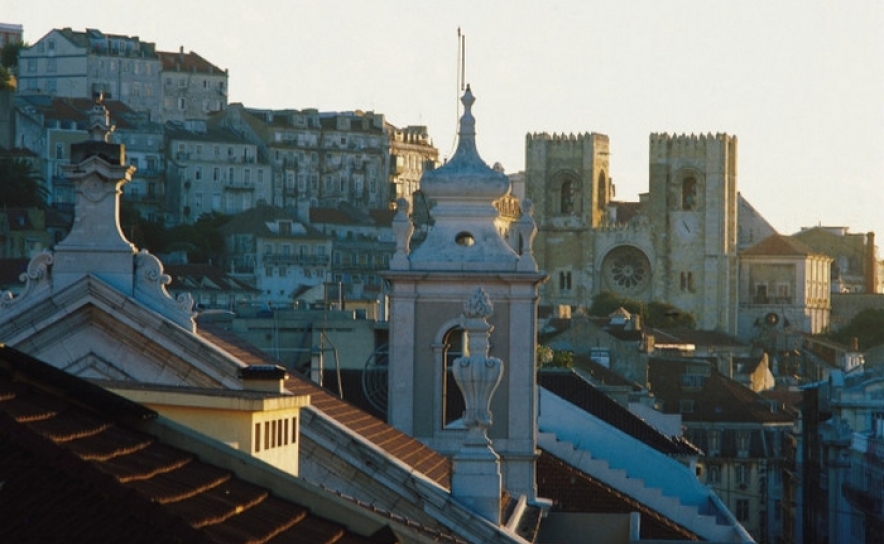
(779, 245)
(74, 471)
(572, 490)
(393, 441)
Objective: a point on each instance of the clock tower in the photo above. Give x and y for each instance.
(693, 203)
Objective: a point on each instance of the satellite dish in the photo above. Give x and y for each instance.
(374, 378)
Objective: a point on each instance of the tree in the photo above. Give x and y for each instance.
(9, 54)
(653, 314)
(203, 240)
(8, 63)
(21, 186)
(867, 327)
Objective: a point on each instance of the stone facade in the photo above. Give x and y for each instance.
(462, 251)
(678, 244)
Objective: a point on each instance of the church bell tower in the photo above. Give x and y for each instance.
(464, 251)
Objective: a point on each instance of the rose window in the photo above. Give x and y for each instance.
(626, 269)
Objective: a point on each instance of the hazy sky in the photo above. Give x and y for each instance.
(799, 82)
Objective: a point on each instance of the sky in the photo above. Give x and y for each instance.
(799, 82)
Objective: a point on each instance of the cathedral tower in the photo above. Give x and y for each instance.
(567, 177)
(693, 206)
(464, 251)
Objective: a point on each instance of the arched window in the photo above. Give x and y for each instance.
(453, 404)
(689, 194)
(566, 204)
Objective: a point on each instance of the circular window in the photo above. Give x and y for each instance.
(464, 239)
(626, 269)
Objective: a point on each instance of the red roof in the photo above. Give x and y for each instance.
(406, 449)
(186, 62)
(778, 245)
(74, 468)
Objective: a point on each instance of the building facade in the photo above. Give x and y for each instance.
(678, 244)
(81, 64)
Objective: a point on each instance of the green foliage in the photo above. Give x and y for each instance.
(654, 314)
(9, 54)
(202, 241)
(562, 359)
(21, 186)
(867, 327)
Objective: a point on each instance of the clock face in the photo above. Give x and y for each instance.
(686, 227)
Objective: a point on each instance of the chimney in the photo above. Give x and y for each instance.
(266, 378)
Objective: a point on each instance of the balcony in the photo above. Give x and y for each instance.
(295, 259)
(239, 186)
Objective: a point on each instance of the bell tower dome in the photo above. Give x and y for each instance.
(462, 252)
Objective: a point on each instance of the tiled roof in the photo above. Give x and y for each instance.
(602, 374)
(187, 62)
(585, 396)
(75, 469)
(696, 337)
(254, 221)
(76, 110)
(572, 490)
(406, 449)
(203, 276)
(777, 245)
(716, 398)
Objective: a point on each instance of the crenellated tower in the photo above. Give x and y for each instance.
(567, 177)
(693, 205)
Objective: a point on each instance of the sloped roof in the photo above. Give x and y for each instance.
(777, 245)
(585, 396)
(187, 62)
(254, 221)
(697, 337)
(572, 490)
(76, 469)
(76, 110)
(716, 399)
(203, 276)
(399, 445)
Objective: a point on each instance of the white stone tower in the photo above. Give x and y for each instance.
(463, 251)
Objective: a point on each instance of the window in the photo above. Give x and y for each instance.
(182, 103)
(714, 443)
(741, 475)
(686, 406)
(182, 82)
(761, 293)
(565, 281)
(713, 475)
(566, 204)
(742, 510)
(247, 175)
(51, 65)
(452, 399)
(216, 173)
(198, 173)
(743, 443)
(783, 293)
(689, 194)
(59, 151)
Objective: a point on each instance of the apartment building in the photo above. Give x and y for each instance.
(81, 64)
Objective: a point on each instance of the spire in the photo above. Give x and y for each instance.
(464, 235)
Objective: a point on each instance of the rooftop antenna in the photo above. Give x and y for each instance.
(461, 81)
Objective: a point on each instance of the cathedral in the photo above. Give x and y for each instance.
(678, 244)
